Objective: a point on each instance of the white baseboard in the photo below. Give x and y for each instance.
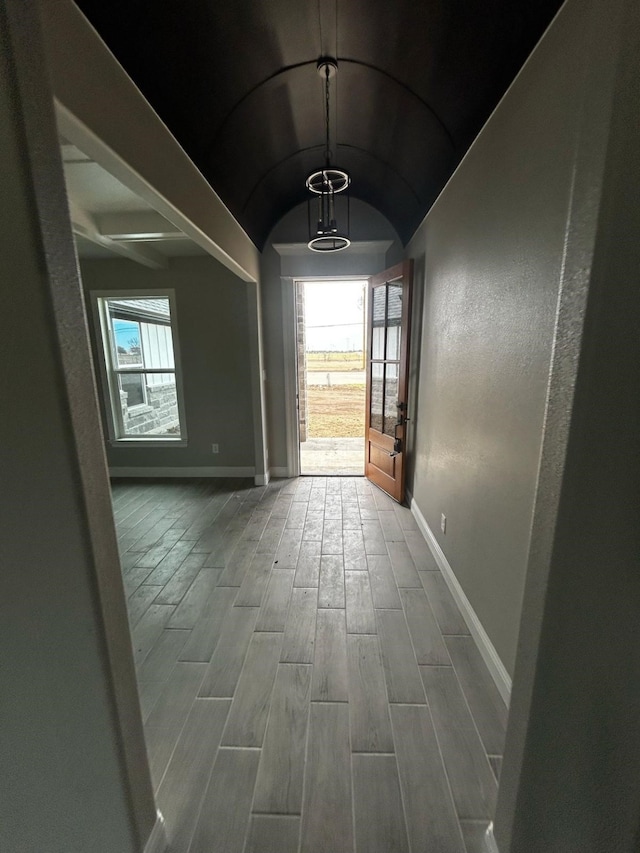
(484, 644)
(157, 841)
(489, 842)
(262, 479)
(279, 472)
(209, 471)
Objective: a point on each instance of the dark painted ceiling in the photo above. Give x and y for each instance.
(236, 82)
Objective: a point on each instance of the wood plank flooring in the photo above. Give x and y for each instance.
(306, 680)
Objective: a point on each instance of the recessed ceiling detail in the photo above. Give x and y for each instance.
(109, 220)
(236, 83)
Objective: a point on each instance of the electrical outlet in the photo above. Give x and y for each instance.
(215, 448)
(443, 523)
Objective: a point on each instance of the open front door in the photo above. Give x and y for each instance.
(388, 323)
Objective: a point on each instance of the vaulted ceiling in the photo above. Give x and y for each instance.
(236, 83)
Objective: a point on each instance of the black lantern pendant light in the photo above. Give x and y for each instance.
(325, 184)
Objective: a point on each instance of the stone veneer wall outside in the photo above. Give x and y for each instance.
(302, 361)
(158, 417)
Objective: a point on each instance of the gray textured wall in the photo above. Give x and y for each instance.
(74, 769)
(213, 339)
(366, 224)
(571, 773)
(488, 265)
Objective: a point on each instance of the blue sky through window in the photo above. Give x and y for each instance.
(126, 331)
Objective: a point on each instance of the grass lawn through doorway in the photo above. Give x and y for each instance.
(336, 408)
(336, 411)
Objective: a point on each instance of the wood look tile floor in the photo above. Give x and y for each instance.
(306, 681)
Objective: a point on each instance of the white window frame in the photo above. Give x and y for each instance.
(109, 371)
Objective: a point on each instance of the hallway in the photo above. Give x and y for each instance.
(306, 680)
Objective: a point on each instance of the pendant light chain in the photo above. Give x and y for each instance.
(326, 105)
(326, 183)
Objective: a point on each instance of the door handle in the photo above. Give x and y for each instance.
(397, 442)
(402, 418)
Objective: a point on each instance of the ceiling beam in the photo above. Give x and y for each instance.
(84, 225)
(138, 226)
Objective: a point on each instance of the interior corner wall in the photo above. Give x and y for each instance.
(366, 224)
(488, 263)
(214, 343)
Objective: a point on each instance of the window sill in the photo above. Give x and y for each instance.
(140, 408)
(148, 441)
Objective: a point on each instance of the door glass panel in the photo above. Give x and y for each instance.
(394, 321)
(377, 389)
(393, 343)
(394, 306)
(377, 342)
(390, 398)
(377, 335)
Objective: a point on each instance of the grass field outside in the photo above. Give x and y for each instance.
(336, 411)
(327, 361)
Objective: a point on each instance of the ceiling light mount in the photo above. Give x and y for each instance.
(327, 65)
(327, 182)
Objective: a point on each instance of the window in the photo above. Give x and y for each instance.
(145, 400)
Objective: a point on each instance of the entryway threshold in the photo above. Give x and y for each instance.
(331, 457)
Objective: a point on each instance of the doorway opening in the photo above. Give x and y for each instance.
(331, 381)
